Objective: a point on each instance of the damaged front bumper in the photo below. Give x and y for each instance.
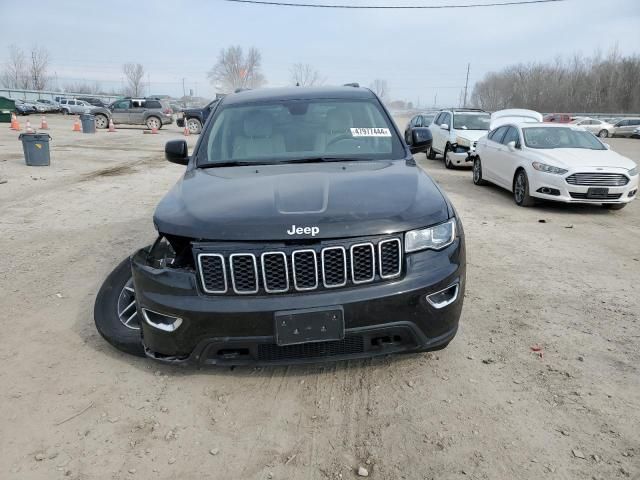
(395, 316)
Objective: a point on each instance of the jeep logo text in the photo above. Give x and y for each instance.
(313, 231)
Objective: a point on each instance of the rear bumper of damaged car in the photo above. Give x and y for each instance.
(379, 319)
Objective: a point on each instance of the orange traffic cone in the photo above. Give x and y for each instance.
(76, 125)
(186, 131)
(28, 128)
(112, 127)
(15, 124)
(43, 123)
(153, 130)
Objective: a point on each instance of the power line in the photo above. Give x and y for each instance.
(394, 7)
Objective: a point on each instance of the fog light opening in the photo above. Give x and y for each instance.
(163, 322)
(549, 191)
(444, 297)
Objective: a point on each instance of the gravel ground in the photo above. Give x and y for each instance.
(564, 278)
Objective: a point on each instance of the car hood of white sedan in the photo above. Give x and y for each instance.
(584, 157)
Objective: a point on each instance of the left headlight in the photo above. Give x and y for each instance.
(633, 172)
(543, 167)
(434, 238)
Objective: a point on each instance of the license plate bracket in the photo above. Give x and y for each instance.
(597, 192)
(309, 325)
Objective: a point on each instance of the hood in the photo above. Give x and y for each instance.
(334, 200)
(583, 157)
(471, 135)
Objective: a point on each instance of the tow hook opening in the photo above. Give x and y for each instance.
(386, 340)
(444, 297)
(232, 353)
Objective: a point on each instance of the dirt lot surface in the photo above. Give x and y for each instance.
(488, 407)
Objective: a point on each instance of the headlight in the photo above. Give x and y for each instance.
(162, 253)
(543, 167)
(633, 172)
(463, 142)
(434, 238)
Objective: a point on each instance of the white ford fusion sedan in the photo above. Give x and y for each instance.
(554, 162)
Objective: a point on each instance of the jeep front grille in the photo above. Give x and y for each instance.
(598, 179)
(284, 269)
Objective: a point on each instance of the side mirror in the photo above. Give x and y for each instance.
(511, 146)
(421, 139)
(176, 151)
(444, 126)
(607, 146)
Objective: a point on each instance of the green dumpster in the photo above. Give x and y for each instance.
(6, 107)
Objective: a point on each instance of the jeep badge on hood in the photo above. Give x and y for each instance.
(303, 230)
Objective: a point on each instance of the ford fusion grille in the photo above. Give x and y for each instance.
(224, 270)
(598, 179)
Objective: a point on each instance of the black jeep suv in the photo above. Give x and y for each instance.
(301, 230)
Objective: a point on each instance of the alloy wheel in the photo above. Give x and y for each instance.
(520, 188)
(127, 311)
(476, 171)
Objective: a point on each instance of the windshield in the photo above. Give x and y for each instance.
(471, 121)
(550, 137)
(300, 129)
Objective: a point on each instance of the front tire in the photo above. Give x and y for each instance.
(521, 190)
(431, 155)
(477, 172)
(447, 163)
(614, 206)
(603, 133)
(102, 121)
(115, 311)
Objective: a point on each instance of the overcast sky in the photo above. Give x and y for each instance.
(420, 53)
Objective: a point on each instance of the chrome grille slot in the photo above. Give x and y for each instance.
(213, 273)
(244, 273)
(598, 179)
(334, 267)
(328, 264)
(363, 268)
(305, 269)
(389, 258)
(275, 272)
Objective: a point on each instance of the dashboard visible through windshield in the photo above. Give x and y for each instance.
(296, 130)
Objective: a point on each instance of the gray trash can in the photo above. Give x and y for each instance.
(36, 148)
(88, 123)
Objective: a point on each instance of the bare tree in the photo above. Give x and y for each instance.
(16, 74)
(380, 88)
(236, 70)
(38, 67)
(83, 87)
(134, 72)
(574, 84)
(304, 75)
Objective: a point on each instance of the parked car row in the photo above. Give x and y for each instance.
(517, 150)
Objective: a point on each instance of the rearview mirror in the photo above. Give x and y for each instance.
(444, 126)
(176, 151)
(421, 139)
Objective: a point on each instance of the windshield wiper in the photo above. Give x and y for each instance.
(234, 163)
(317, 160)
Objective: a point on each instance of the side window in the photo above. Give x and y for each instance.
(510, 136)
(72, 102)
(137, 103)
(634, 122)
(418, 121)
(498, 134)
(446, 119)
(152, 104)
(122, 105)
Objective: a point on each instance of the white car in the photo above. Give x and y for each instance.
(636, 133)
(595, 126)
(455, 132)
(554, 162)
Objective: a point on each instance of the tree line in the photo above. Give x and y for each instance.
(599, 83)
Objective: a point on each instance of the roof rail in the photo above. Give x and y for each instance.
(353, 84)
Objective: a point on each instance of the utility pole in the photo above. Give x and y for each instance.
(466, 86)
(184, 94)
(435, 99)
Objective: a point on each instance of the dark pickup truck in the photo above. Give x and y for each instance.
(195, 117)
(302, 230)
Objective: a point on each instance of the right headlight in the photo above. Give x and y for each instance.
(543, 167)
(434, 238)
(633, 172)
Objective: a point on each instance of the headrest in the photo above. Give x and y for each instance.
(258, 124)
(339, 120)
